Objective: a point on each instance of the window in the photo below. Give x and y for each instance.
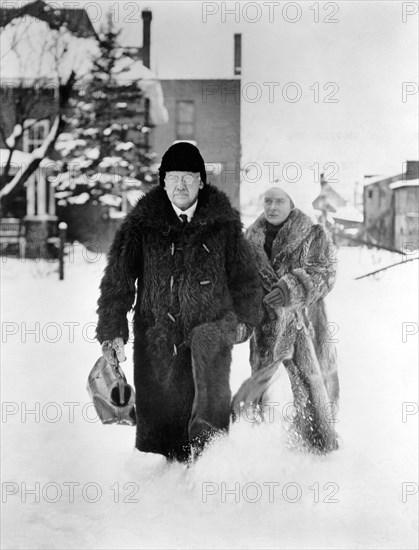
(185, 120)
(370, 193)
(35, 136)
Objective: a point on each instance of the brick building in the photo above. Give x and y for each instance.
(207, 113)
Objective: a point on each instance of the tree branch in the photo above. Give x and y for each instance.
(37, 155)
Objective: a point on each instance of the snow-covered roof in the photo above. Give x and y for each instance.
(404, 183)
(349, 213)
(352, 231)
(134, 71)
(41, 54)
(331, 195)
(75, 19)
(35, 62)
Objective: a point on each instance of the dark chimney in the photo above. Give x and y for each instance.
(237, 54)
(146, 15)
(412, 170)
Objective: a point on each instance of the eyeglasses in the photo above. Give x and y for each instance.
(173, 179)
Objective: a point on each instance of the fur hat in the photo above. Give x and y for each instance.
(182, 157)
(302, 195)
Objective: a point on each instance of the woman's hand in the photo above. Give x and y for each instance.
(276, 298)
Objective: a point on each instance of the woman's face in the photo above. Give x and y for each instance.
(277, 206)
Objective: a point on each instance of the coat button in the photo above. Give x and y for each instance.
(206, 247)
(206, 282)
(171, 317)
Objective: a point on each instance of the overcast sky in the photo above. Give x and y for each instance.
(364, 58)
(366, 55)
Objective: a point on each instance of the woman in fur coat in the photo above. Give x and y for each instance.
(297, 270)
(198, 293)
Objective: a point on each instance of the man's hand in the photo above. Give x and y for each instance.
(114, 349)
(227, 330)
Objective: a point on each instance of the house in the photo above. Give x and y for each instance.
(328, 199)
(31, 101)
(30, 105)
(202, 112)
(391, 208)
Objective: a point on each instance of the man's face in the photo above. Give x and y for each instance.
(182, 188)
(277, 206)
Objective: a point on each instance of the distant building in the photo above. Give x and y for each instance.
(391, 209)
(341, 218)
(207, 113)
(329, 198)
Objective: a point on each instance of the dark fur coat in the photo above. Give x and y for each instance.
(302, 263)
(194, 284)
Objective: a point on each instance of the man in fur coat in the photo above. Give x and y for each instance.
(198, 293)
(297, 270)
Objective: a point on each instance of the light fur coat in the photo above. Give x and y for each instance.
(302, 263)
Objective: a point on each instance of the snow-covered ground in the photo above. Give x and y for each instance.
(69, 482)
